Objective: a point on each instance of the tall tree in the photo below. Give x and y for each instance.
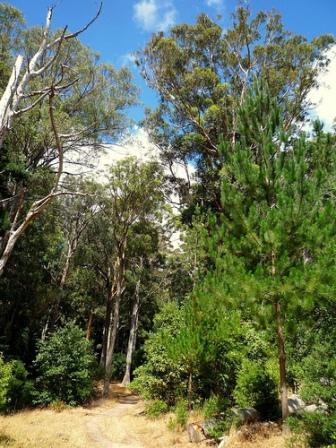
(34, 145)
(201, 74)
(276, 229)
(133, 196)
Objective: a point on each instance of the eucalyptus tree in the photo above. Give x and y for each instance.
(68, 101)
(75, 212)
(132, 197)
(147, 263)
(201, 73)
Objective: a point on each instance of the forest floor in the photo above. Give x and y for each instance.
(117, 422)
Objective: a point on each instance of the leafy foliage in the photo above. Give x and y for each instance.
(65, 365)
(202, 74)
(156, 408)
(256, 387)
(16, 390)
(160, 377)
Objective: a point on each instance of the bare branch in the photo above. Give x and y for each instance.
(80, 31)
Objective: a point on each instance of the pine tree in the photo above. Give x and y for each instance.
(274, 243)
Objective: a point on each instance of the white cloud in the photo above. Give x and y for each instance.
(214, 3)
(128, 59)
(324, 97)
(155, 15)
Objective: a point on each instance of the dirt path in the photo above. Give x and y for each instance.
(126, 405)
(117, 422)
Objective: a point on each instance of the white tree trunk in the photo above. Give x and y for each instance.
(117, 291)
(132, 336)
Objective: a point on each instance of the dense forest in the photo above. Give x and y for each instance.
(240, 314)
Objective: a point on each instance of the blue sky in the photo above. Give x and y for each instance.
(126, 25)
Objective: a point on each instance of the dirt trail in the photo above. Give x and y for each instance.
(126, 405)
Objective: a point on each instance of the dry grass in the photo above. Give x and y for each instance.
(44, 429)
(118, 419)
(258, 435)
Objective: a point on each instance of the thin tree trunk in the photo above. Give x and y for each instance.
(281, 351)
(89, 326)
(111, 344)
(132, 336)
(117, 291)
(282, 362)
(107, 325)
(53, 311)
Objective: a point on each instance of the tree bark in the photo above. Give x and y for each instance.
(107, 325)
(53, 311)
(282, 361)
(21, 77)
(117, 291)
(281, 350)
(111, 344)
(9, 108)
(132, 336)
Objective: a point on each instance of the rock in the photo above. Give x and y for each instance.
(224, 442)
(311, 408)
(295, 404)
(320, 407)
(195, 433)
(246, 415)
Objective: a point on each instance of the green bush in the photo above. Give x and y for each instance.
(257, 388)
(317, 382)
(15, 389)
(213, 406)
(65, 366)
(319, 429)
(181, 413)
(119, 365)
(154, 409)
(160, 377)
(180, 418)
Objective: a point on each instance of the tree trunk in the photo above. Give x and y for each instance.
(89, 327)
(8, 250)
(132, 336)
(107, 324)
(281, 350)
(112, 336)
(6, 113)
(112, 329)
(282, 362)
(52, 317)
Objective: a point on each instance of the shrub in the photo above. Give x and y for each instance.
(256, 387)
(15, 389)
(319, 429)
(180, 418)
(160, 377)
(213, 406)
(317, 382)
(181, 413)
(65, 367)
(156, 408)
(119, 365)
